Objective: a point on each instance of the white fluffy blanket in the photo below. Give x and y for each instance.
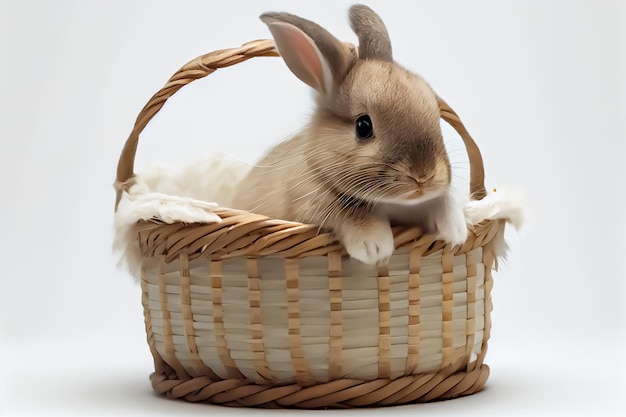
(191, 193)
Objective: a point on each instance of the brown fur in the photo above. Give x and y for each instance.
(324, 175)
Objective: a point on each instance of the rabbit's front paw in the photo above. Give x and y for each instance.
(370, 245)
(452, 226)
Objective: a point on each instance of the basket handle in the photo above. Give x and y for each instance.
(477, 169)
(195, 69)
(206, 64)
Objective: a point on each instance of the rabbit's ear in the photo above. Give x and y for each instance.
(374, 42)
(311, 53)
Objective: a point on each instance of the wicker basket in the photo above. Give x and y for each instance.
(262, 312)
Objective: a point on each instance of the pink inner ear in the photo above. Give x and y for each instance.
(299, 53)
(309, 58)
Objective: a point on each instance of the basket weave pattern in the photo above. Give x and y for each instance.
(262, 312)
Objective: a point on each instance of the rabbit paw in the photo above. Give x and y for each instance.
(452, 226)
(371, 245)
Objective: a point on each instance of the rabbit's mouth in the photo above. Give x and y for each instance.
(412, 198)
(407, 200)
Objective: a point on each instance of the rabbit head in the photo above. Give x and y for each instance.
(375, 134)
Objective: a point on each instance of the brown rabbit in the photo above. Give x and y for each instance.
(372, 154)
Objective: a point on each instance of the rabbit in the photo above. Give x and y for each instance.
(372, 155)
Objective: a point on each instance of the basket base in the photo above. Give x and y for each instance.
(341, 393)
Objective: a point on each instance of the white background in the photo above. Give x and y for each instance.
(541, 85)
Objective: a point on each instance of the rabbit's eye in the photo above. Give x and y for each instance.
(364, 127)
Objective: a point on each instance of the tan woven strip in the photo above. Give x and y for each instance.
(218, 322)
(336, 328)
(414, 312)
(267, 396)
(338, 397)
(170, 352)
(447, 350)
(384, 323)
(147, 314)
(488, 260)
(382, 393)
(470, 324)
(185, 299)
(211, 389)
(254, 296)
(298, 361)
(317, 390)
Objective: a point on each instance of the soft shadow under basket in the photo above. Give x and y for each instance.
(263, 312)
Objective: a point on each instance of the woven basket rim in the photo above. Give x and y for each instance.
(284, 239)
